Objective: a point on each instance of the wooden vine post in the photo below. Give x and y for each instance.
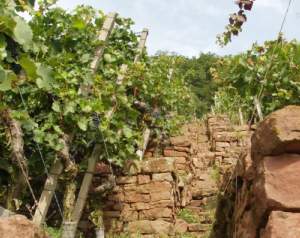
(242, 122)
(48, 193)
(88, 177)
(57, 168)
(142, 44)
(146, 135)
(70, 227)
(258, 108)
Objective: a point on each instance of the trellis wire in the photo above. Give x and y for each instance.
(259, 95)
(43, 161)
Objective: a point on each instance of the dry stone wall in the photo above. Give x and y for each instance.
(268, 204)
(214, 180)
(263, 196)
(174, 191)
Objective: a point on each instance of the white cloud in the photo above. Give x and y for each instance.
(190, 26)
(277, 5)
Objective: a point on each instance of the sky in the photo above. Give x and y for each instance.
(190, 27)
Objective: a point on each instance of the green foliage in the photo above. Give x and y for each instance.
(273, 67)
(160, 84)
(47, 82)
(196, 73)
(188, 216)
(215, 174)
(53, 232)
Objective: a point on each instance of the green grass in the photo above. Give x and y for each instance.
(53, 232)
(215, 174)
(188, 216)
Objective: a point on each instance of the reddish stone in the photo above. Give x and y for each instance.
(143, 179)
(202, 138)
(183, 167)
(148, 154)
(140, 206)
(162, 177)
(158, 165)
(154, 186)
(180, 226)
(160, 227)
(197, 227)
(179, 148)
(282, 224)
(180, 141)
(278, 184)
(278, 133)
(198, 162)
(174, 153)
(126, 180)
(129, 187)
(155, 213)
(222, 144)
(129, 215)
(136, 197)
(158, 196)
(196, 203)
(20, 227)
(180, 160)
(162, 203)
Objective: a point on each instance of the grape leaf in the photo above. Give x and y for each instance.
(5, 81)
(23, 33)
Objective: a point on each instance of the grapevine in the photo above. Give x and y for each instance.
(45, 64)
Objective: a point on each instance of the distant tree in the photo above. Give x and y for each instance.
(196, 72)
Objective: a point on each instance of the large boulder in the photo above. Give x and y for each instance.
(282, 224)
(277, 186)
(20, 227)
(279, 133)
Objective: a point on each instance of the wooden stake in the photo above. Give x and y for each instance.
(57, 168)
(48, 192)
(105, 32)
(146, 138)
(142, 44)
(124, 67)
(88, 177)
(86, 184)
(241, 117)
(258, 108)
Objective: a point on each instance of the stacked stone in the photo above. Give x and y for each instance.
(265, 188)
(227, 141)
(182, 174)
(268, 201)
(204, 189)
(147, 202)
(144, 202)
